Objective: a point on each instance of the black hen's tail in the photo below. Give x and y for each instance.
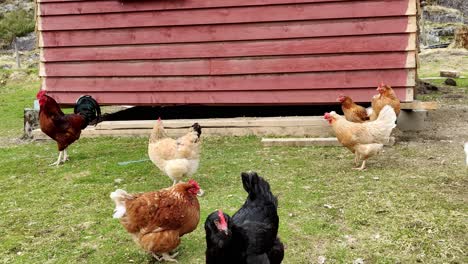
(257, 187)
(276, 253)
(87, 107)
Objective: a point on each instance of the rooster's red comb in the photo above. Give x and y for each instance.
(40, 93)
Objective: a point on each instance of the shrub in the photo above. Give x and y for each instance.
(15, 24)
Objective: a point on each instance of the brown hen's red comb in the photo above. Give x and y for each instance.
(194, 183)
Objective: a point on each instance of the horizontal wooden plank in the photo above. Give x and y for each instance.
(292, 12)
(228, 32)
(287, 64)
(298, 81)
(301, 142)
(348, 44)
(73, 7)
(418, 105)
(298, 131)
(223, 97)
(293, 121)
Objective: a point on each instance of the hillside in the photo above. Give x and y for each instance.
(16, 20)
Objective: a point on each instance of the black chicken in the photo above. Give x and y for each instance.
(250, 236)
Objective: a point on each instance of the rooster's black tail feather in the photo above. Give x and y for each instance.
(89, 108)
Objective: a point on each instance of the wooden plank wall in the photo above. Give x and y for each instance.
(226, 51)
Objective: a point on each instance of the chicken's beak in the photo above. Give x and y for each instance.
(200, 192)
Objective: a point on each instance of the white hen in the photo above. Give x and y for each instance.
(177, 158)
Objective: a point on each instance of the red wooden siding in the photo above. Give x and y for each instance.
(226, 51)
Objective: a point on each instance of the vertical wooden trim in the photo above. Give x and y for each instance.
(410, 59)
(42, 70)
(411, 46)
(412, 7)
(413, 40)
(412, 24)
(410, 78)
(409, 94)
(44, 84)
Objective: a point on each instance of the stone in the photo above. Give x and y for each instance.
(24, 43)
(440, 14)
(450, 82)
(412, 120)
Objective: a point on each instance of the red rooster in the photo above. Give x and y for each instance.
(65, 129)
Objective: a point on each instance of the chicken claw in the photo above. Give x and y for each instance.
(59, 160)
(166, 257)
(57, 163)
(356, 160)
(363, 166)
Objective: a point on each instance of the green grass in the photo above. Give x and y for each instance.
(408, 207)
(14, 97)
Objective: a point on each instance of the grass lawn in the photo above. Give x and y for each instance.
(409, 206)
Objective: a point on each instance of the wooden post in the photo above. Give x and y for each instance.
(423, 26)
(31, 122)
(18, 61)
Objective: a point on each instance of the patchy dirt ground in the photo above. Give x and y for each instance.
(448, 125)
(449, 122)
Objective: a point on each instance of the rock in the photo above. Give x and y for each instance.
(442, 31)
(27, 42)
(321, 259)
(450, 74)
(358, 261)
(440, 14)
(8, 8)
(17, 5)
(450, 82)
(461, 5)
(6, 67)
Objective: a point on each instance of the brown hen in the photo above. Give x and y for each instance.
(385, 97)
(352, 111)
(157, 220)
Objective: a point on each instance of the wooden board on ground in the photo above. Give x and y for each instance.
(300, 142)
(295, 121)
(303, 142)
(313, 126)
(418, 105)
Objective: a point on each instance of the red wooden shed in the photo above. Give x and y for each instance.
(165, 52)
